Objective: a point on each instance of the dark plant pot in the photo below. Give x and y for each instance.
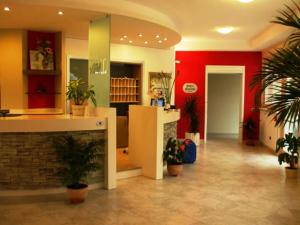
(77, 193)
(174, 170)
(250, 142)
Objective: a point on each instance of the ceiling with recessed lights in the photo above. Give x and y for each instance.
(198, 21)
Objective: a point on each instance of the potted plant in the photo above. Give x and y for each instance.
(174, 155)
(287, 149)
(77, 160)
(190, 110)
(249, 128)
(165, 79)
(78, 95)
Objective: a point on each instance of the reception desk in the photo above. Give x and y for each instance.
(149, 128)
(27, 157)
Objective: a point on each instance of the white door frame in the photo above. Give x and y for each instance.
(225, 70)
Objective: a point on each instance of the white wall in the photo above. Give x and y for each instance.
(224, 95)
(154, 60)
(267, 131)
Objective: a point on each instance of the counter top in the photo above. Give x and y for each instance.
(51, 123)
(43, 111)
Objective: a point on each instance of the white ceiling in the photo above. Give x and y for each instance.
(195, 20)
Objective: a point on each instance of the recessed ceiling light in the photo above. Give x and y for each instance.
(245, 1)
(130, 41)
(140, 35)
(160, 41)
(157, 36)
(165, 39)
(225, 30)
(124, 36)
(6, 8)
(60, 13)
(146, 42)
(121, 39)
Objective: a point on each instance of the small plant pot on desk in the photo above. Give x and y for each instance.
(77, 194)
(78, 110)
(174, 170)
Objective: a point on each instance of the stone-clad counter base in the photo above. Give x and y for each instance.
(170, 130)
(28, 160)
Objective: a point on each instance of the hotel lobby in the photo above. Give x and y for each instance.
(145, 112)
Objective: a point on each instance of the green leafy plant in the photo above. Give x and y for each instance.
(290, 154)
(190, 109)
(281, 73)
(76, 92)
(174, 152)
(77, 159)
(165, 79)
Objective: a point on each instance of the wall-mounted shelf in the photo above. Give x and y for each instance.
(124, 90)
(41, 72)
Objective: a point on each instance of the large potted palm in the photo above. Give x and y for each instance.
(78, 94)
(281, 73)
(190, 110)
(77, 160)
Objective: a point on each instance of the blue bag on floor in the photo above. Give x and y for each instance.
(190, 152)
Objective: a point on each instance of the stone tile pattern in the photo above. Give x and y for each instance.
(28, 160)
(170, 130)
(230, 184)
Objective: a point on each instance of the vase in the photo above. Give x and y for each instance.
(77, 195)
(195, 137)
(78, 110)
(174, 170)
(291, 173)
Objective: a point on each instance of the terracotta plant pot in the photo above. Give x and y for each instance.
(78, 110)
(291, 173)
(77, 195)
(174, 170)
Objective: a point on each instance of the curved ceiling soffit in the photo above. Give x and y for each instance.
(118, 7)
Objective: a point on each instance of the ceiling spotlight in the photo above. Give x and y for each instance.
(121, 39)
(225, 30)
(6, 8)
(165, 39)
(60, 13)
(130, 41)
(245, 1)
(125, 36)
(157, 36)
(146, 42)
(160, 41)
(140, 35)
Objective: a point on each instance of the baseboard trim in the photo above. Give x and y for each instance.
(129, 173)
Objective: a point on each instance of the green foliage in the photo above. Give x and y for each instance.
(190, 109)
(174, 152)
(281, 73)
(167, 88)
(291, 154)
(77, 158)
(77, 93)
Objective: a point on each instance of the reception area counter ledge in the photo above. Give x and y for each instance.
(28, 161)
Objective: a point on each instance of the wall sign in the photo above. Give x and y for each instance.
(190, 88)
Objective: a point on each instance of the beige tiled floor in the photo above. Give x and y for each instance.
(229, 185)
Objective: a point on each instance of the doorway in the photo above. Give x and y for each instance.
(224, 101)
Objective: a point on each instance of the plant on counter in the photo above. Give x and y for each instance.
(174, 155)
(165, 79)
(79, 94)
(287, 149)
(77, 160)
(190, 110)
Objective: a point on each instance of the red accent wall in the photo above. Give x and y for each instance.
(191, 69)
(41, 90)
